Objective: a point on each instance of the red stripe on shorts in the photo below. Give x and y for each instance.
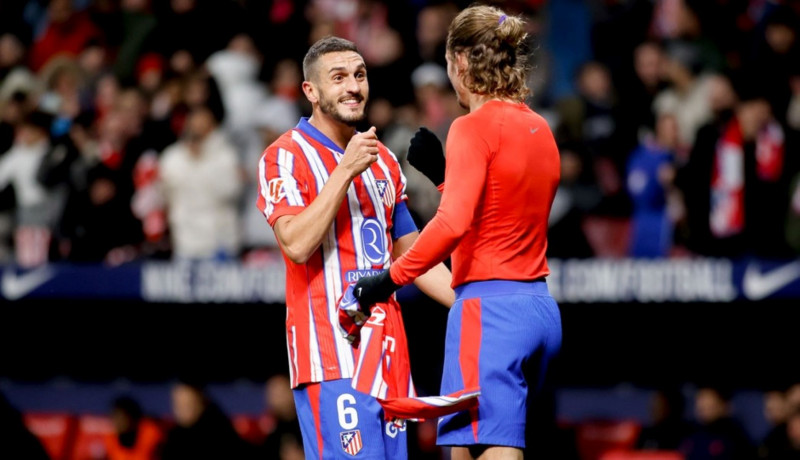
(313, 398)
(469, 352)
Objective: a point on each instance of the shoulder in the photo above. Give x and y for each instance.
(284, 142)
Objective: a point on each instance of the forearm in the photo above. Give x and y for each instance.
(435, 283)
(301, 234)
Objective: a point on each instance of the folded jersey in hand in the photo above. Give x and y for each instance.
(383, 368)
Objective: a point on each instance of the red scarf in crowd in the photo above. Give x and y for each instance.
(728, 174)
(383, 368)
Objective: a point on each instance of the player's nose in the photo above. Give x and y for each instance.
(352, 86)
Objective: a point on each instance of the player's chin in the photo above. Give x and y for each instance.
(352, 117)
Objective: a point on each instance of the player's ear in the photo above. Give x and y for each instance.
(461, 63)
(310, 91)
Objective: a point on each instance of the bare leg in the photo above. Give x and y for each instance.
(460, 453)
(501, 453)
(485, 453)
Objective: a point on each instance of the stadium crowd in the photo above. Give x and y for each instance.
(131, 129)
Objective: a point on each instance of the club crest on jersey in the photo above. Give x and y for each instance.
(276, 190)
(351, 441)
(385, 190)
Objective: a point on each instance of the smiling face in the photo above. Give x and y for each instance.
(339, 87)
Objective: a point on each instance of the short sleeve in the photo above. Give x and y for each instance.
(282, 184)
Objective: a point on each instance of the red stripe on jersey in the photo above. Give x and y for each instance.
(469, 353)
(310, 284)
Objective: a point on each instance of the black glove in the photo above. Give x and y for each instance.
(426, 155)
(370, 290)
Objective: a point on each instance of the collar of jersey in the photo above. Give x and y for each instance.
(308, 129)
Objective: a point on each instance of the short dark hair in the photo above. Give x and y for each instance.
(325, 45)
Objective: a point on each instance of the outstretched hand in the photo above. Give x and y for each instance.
(425, 153)
(370, 290)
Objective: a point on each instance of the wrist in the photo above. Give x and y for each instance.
(394, 275)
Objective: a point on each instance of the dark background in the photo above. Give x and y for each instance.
(742, 345)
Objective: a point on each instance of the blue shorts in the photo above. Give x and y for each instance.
(501, 336)
(339, 422)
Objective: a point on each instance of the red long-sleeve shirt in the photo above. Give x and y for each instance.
(502, 171)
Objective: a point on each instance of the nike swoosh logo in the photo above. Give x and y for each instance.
(757, 285)
(533, 130)
(16, 286)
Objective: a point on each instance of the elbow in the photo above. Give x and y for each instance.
(297, 254)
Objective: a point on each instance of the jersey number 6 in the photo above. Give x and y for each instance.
(348, 417)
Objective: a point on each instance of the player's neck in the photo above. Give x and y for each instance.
(336, 131)
(476, 101)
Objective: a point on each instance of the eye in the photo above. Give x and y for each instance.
(338, 77)
(361, 75)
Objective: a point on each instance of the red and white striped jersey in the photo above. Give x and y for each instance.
(292, 172)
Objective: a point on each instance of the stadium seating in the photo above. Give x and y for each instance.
(594, 438)
(253, 428)
(89, 437)
(642, 455)
(56, 431)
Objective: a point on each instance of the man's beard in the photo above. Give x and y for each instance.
(328, 107)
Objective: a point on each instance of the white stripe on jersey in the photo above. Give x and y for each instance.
(293, 356)
(313, 347)
(285, 170)
(331, 262)
(402, 176)
(374, 193)
(269, 207)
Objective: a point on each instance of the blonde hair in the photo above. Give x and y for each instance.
(494, 45)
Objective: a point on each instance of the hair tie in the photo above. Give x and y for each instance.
(502, 18)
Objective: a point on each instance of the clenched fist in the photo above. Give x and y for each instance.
(361, 152)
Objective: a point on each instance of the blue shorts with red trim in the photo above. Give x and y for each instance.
(501, 335)
(338, 422)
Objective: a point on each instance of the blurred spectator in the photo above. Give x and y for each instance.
(12, 53)
(668, 427)
(431, 32)
(202, 429)
(235, 70)
(135, 437)
(576, 196)
(792, 227)
(687, 95)
(67, 32)
(716, 434)
(791, 449)
(617, 26)
(724, 205)
(567, 43)
(35, 215)
(776, 411)
(775, 59)
(201, 181)
(637, 91)
(188, 31)
(112, 233)
(284, 440)
(375, 27)
(64, 84)
(12, 111)
(137, 23)
(17, 441)
(650, 177)
(591, 119)
(690, 23)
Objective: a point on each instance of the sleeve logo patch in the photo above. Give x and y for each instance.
(277, 192)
